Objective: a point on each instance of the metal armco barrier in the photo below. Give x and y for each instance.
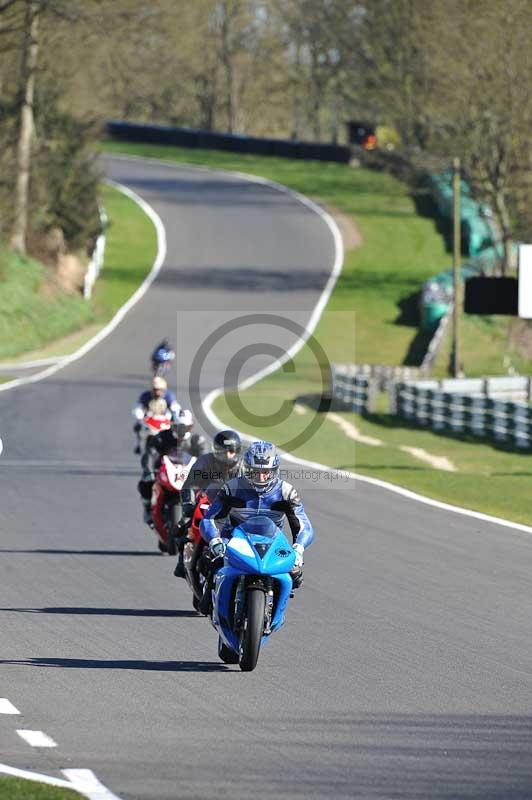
(352, 390)
(187, 137)
(481, 407)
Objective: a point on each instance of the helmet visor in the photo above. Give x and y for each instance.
(261, 477)
(225, 455)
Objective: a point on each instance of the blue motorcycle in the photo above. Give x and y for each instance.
(251, 590)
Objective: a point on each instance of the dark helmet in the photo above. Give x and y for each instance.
(226, 447)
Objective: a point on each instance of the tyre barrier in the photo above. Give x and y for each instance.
(495, 408)
(351, 390)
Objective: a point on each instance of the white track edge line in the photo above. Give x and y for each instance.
(86, 782)
(83, 781)
(34, 776)
(123, 310)
(39, 362)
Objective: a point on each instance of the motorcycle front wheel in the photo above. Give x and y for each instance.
(227, 655)
(253, 629)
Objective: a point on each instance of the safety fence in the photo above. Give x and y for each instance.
(188, 137)
(494, 408)
(351, 389)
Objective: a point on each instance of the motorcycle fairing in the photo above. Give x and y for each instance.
(242, 559)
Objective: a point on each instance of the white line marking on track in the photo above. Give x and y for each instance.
(34, 776)
(81, 780)
(36, 738)
(86, 782)
(38, 362)
(6, 707)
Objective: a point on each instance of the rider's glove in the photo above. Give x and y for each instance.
(217, 547)
(138, 413)
(299, 550)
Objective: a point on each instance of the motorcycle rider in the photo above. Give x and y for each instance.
(259, 486)
(162, 357)
(159, 390)
(211, 469)
(170, 442)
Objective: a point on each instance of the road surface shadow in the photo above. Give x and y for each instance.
(119, 612)
(95, 663)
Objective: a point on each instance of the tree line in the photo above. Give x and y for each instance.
(451, 76)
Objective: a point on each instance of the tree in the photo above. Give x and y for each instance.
(485, 112)
(30, 50)
(456, 83)
(319, 38)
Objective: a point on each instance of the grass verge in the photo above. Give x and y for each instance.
(36, 323)
(21, 789)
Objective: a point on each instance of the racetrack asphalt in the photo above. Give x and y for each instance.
(405, 667)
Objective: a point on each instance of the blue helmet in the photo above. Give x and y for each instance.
(261, 466)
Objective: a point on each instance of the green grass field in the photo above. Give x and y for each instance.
(35, 323)
(19, 789)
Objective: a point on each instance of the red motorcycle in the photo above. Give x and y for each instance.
(195, 544)
(166, 511)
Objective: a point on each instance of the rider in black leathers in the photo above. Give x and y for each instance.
(210, 470)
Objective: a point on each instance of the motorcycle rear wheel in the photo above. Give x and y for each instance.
(253, 629)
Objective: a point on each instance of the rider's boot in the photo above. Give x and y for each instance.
(146, 514)
(179, 570)
(205, 604)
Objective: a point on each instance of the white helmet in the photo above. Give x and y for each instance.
(159, 383)
(183, 424)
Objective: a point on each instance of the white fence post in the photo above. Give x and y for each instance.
(96, 262)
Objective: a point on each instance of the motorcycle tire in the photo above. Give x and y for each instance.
(227, 655)
(253, 629)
